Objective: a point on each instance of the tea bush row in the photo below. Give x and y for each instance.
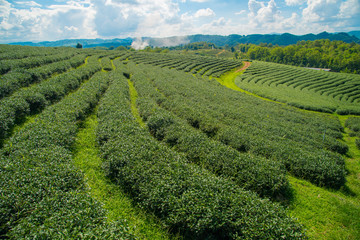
(36, 61)
(35, 98)
(186, 197)
(43, 196)
(265, 177)
(19, 78)
(200, 64)
(106, 64)
(339, 86)
(17, 52)
(248, 124)
(353, 123)
(273, 118)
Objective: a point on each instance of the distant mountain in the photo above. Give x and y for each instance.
(231, 40)
(282, 39)
(354, 33)
(87, 43)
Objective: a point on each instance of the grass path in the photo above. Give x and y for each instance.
(330, 214)
(228, 80)
(118, 204)
(325, 213)
(134, 110)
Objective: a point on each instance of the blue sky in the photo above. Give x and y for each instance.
(43, 20)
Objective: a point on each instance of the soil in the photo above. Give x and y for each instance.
(246, 65)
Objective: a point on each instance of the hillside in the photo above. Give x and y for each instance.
(143, 145)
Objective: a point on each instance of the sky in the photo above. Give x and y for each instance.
(43, 20)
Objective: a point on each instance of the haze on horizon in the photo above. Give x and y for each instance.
(44, 20)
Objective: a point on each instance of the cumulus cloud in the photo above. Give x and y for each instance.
(28, 20)
(332, 15)
(261, 13)
(265, 17)
(73, 20)
(205, 13)
(134, 17)
(350, 9)
(321, 10)
(267, 13)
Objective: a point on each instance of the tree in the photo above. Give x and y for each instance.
(79, 45)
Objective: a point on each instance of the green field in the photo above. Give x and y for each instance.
(99, 144)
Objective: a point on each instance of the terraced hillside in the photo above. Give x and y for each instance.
(304, 88)
(136, 145)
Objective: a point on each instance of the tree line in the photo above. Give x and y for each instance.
(335, 55)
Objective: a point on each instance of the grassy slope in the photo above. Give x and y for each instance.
(326, 214)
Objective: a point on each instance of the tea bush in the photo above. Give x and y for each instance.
(186, 197)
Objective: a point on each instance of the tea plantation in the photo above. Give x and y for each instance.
(99, 144)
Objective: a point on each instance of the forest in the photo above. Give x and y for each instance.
(335, 55)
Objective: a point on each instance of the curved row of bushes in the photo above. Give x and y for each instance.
(247, 124)
(19, 78)
(186, 197)
(43, 196)
(17, 52)
(331, 92)
(35, 98)
(265, 177)
(7, 65)
(200, 65)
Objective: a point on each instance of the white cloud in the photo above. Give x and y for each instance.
(73, 20)
(261, 13)
(254, 6)
(204, 13)
(349, 9)
(321, 10)
(71, 28)
(220, 22)
(218, 26)
(29, 3)
(134, 18)
(266, 17)
(4, 8)
(241, 12)
(162, 18)
(294, 2)
(267, 13)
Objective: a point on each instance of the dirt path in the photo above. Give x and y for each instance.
(246, 65)
(220, 52)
